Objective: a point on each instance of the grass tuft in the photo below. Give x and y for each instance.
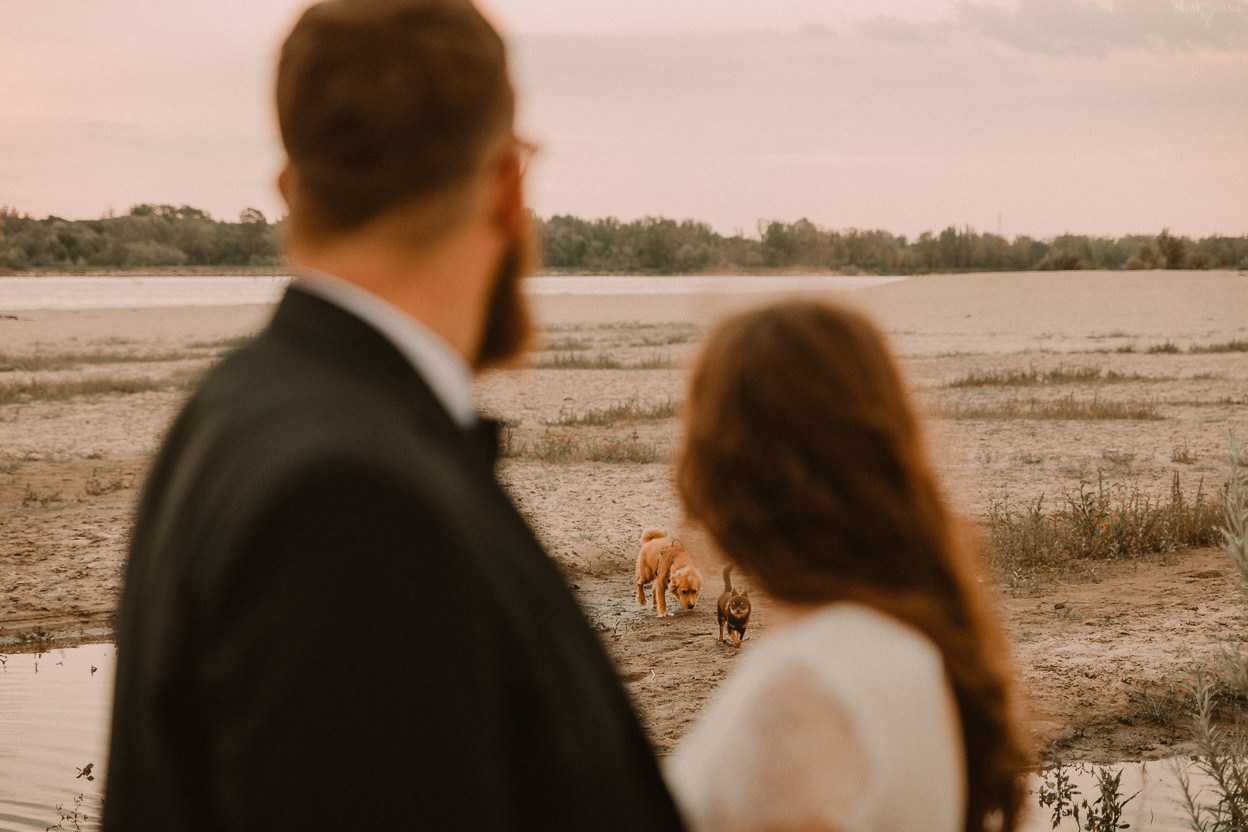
(578, 360)
(626, 411)
(1068, 408)
(1222, 753)
(1235, 345)
(58, 390)
(1026, 378)
(563, 448)
(51, 362)
(1095, 523)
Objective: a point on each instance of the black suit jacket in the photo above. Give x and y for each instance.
(334, 618)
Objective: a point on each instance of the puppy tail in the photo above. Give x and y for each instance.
(728, 578)
(652, 534)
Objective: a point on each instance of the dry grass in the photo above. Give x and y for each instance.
(1028, 378)
(50, 362)
(670, 335)
(567, 344)
(566, 448)
(580, 360)
(1095, 523)
(1068, 408)
(111, 385)
(1164, 348)
(626, 411)
(1235, 345)
(223, 344)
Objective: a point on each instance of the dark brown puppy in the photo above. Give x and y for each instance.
(733, 609)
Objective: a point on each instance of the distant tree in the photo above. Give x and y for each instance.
(780, 244)
(1144, 258)
(1173, 250)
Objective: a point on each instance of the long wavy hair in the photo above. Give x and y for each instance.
(804, 460)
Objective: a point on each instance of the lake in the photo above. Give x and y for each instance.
(124, 292)
(54, 711)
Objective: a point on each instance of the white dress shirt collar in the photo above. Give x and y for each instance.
(437, 362)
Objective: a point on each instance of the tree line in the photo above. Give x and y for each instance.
(659, 245)
(153, 236)
(148, 236)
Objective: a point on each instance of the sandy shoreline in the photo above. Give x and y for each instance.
(70, 466)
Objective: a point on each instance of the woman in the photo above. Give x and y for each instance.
(880, 700)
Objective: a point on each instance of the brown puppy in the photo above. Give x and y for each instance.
(733, 609)
(665, 561)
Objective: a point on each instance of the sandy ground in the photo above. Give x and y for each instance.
(1103, 658)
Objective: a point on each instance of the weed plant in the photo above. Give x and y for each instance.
(1059, 795)
(58, 390)
(1095, 523)
(568, 344)
(627, 411)
(1235, 345)
(579, 360)
(623, 450)
(223, 344)
(1068, 408)
(1222, 757)
(1222, 752)
(669, 336)
(565, 448)
(1030, 377)
(50, 362)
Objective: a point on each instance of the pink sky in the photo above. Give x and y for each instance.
(1044, 115)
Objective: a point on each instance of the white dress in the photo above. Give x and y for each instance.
(844, 720)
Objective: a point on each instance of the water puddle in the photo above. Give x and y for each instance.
(54, 712)
(1151, 791)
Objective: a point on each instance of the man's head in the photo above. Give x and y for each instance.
(397, 117)
(384, 104)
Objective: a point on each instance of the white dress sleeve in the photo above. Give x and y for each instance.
(781, 755)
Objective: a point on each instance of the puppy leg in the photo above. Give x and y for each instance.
(660, 596)
(643, 577)
(662, 578)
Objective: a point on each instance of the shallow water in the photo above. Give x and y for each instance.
(1152, 788)
(116, 292)
(54, 711)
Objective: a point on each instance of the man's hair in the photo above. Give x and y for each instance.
(387, 103)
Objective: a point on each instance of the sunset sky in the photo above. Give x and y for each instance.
(1044, 116)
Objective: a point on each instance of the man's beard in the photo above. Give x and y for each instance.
(508, 322)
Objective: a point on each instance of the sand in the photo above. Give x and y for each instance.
(1098, 655)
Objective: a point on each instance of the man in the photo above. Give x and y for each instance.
(333, 617)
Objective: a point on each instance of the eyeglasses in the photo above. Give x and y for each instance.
(525, 151)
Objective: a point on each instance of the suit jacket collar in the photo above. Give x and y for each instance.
(443, 369)
(339, 338)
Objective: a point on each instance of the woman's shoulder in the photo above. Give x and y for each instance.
(850, 641)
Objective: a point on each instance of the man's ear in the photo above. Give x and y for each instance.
(510, 212)
(283, 184)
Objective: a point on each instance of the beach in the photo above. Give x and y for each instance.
(1089, 380)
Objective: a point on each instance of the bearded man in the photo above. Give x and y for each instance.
(333, 616)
